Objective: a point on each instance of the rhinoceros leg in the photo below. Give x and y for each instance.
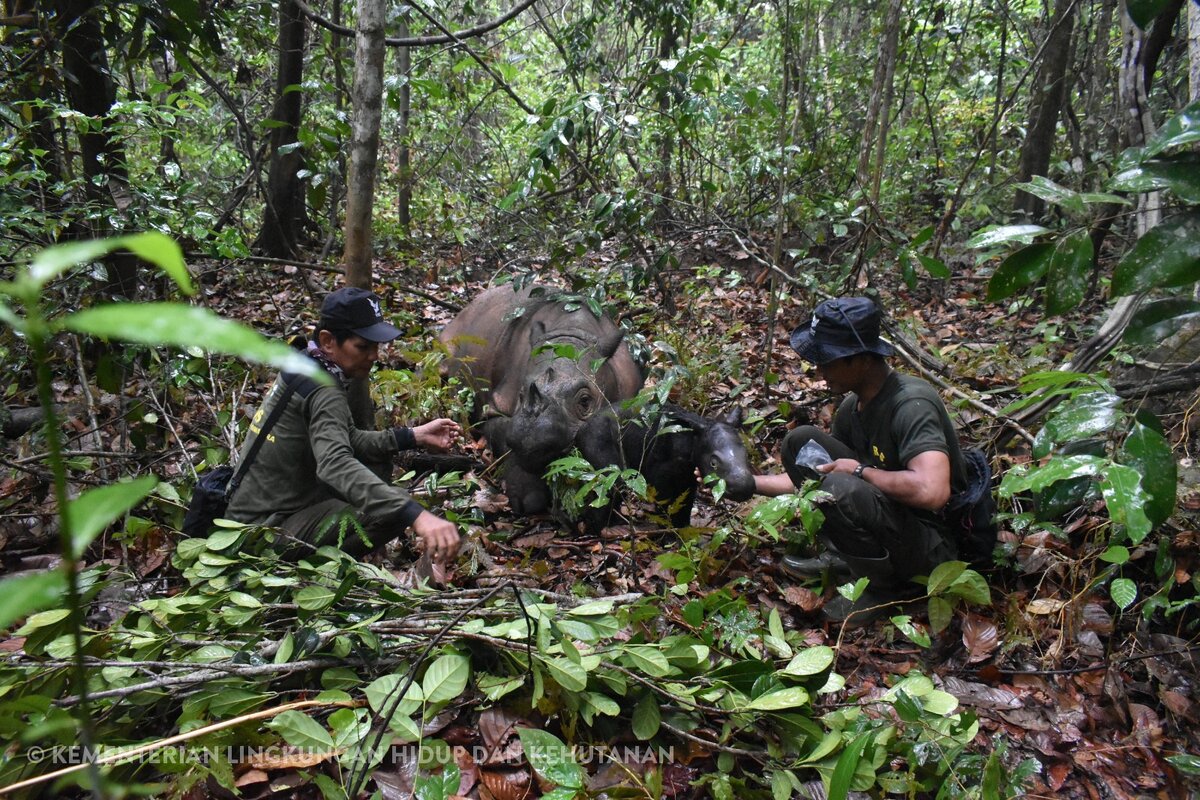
(527, 492)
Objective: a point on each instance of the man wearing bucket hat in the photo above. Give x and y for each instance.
(315, 473)
(890, 462)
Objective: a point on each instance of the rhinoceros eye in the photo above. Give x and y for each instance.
(585, 404)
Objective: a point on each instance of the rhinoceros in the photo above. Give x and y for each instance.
(540, 366)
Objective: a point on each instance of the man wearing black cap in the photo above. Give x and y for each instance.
(893, 461)
(312, 473)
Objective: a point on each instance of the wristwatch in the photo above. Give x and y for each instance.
(858, 471)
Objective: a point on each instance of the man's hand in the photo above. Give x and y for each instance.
(438, 434)
(437, 537)
(847, 465)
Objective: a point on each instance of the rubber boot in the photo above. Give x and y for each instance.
(804, 568)
(880, 597)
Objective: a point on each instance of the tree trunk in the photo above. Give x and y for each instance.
(367, 100)
(1049, 96)
(284, 217)
(1194, 51)
(874, 132)
(404, 197)
(91, 92)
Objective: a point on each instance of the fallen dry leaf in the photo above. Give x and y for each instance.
(980, 637)
(1045, 605)
(505, 784)
(806, 599)
(286, 758)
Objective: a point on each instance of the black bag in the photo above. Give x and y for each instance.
(971, 513)
(209, 500)
(213, 491)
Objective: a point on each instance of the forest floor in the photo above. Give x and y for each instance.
(1098, 698)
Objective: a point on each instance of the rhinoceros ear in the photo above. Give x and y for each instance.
(734, 417)
(607, 345)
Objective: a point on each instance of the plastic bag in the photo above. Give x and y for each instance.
(813, 455)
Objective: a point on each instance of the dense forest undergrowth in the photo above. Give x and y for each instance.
(1017, 181)
(675, 662)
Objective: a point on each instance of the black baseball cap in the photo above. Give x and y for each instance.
(356, 310)
(842, 327)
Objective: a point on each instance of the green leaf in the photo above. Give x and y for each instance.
(940, 614)
(496, 686)
(918, 636)
(1051, 192)
(647, 717)
(647, 659)
(810, 661)
(446, 678)
(972, 587)
(1123, 592)
(550, 758)
(567, 674)
(1186, 763)
(778, 700)
(943, 575)
(300, 730)
(1021, 269)
(1126, 500)
(223, 539)
(1117, 554)
(1181, 175)
(1067, 276)
(853, 591)
(1168, 255)
(155, 247)
(1154, 323)
(315, 598)
(26, 594)
(935, 267)
(185, 326)
(1178, 131)
(92, 511)
(938, 702)
(1151, 456)
(1003, 234)
(847, 765)
(380, 694)
(1086, 416)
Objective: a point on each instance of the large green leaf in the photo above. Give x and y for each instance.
(188, 326)
(26, 594)
(550, 758)
(779, 700)
(1168, 255)
(943, 575)
(1028, 479)
(847, 765)
(1126, 500)
(646, 659)
(1067, 277)
(567, 674)
(446, 678)
(1022, 268)
(380, 694)
(1085, 416)
(1150, 455)
(1180, 174)
(300, 730)
(1155, 322)
(1051, 192)
(92, 511)
(647, 717)
(157, 248)
(1181, 129)
(1004, 234)
(810, 661)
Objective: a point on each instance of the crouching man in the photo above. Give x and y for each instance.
(315, 471)
(894, 461)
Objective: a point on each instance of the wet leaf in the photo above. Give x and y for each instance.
(1150, 455)
(1123, 592)
(981, 638)
(1021, 269)
(1180, 175)
(446, 678)
(1067, 275)
(1168, 255)
(1004, 234)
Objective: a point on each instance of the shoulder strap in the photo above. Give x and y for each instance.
(288, 390)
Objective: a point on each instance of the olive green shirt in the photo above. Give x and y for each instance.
(314, 453)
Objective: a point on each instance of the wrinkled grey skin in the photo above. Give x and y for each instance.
(668, 451)
(540, 370)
